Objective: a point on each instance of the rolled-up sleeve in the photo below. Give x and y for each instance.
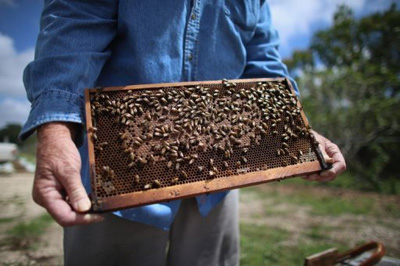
(72, 47)
(263, 58)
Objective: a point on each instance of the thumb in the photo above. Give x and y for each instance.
(76, 193)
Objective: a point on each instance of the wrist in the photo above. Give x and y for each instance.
(58, 129)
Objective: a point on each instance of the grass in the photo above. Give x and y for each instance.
(7, 220)
(328, 205)
(259, 244)
(24, 235)
(318, 232)
(321, 204)
(262, 245)
(271, 235)
(390, 186)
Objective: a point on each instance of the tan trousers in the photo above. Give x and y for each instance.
(193, 239)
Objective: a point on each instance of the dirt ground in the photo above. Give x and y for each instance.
(17, 207)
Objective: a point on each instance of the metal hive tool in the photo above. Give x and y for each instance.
(160, 142)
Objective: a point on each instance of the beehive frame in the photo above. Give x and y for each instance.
(189, 138)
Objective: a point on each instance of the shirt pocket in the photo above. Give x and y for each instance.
(243, 14)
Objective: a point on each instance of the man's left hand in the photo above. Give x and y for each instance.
(331, 150)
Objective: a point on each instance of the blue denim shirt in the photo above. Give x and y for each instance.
(85, 44)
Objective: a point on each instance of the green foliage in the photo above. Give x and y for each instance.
(7, 220)
(27, 148)
(259, 244)
(353, 97)
(25, 235)
(11, 132)
(265, 245)
(34, 228)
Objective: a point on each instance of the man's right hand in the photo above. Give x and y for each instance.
(58, 175)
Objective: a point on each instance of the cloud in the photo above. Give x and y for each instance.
(14, 107)
(296, 20)
(12, 64)
(13, 111)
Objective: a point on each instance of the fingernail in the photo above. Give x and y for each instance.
(94, 217)
(83, 205)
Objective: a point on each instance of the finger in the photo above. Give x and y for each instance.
(311, 177)
(71, 181)
(327, 175)
(62, 212)
(339, 163)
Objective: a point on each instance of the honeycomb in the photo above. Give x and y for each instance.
(150, 138)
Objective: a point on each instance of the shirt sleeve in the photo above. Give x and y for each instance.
(71, 50)
(263, 58)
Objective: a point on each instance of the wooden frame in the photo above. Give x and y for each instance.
(195, 188)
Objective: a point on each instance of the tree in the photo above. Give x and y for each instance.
(10, 132)
(351, 91)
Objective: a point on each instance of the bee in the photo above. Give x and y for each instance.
(169, 164)
(148, 116)
(136, 179)
(294, 158)
(142, 160)
(200, 168)
(163, 100)
(174, 110)
(152, 160)
(123, 136)
(184, 174)
(156, 183)
(174, 180)
(94, 137)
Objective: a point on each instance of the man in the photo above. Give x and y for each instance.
(108, 43)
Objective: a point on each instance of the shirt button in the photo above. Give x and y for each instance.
(193, 16)
(190, 56)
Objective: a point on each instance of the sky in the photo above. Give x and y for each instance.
(296, 21)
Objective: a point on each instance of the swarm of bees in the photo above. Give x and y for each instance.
(207, 131)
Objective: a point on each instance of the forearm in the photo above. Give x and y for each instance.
(71, 50)
(59, 129)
